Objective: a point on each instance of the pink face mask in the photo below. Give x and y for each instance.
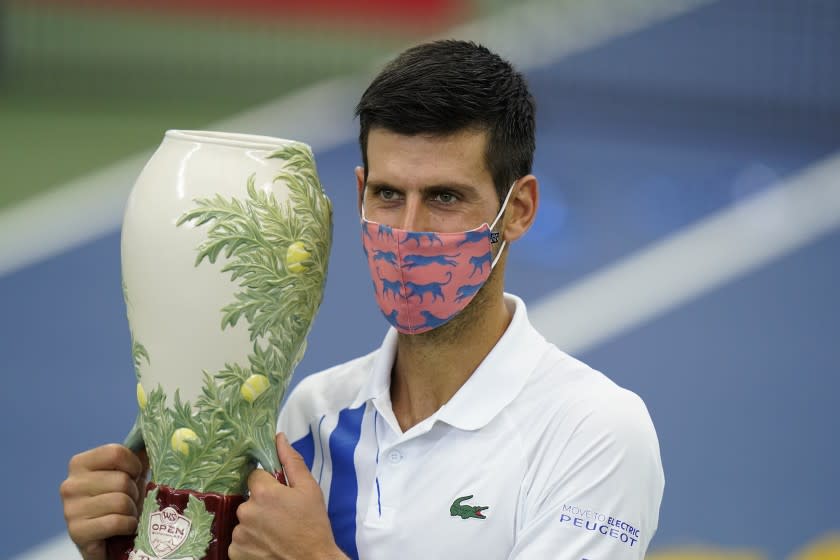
(422, 279)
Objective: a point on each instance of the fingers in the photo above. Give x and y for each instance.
(261, 483)
(92, 520)
(143, 456)
(93, 551)
(95, 483)
(277, 521)
(113, 503)
(242, 544)
(294, 466)
(108, 457)
(91, 532)
(101, 496)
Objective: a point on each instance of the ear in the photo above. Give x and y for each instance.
(360, 186)
(522, 208)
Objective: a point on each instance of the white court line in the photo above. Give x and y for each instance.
(87, 208)
(695, 260)
(528, 34)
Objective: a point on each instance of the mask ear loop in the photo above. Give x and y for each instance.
(493, 225)
(364, 191)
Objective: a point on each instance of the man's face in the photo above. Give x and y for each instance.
(428, 183)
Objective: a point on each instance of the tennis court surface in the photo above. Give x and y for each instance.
(713, 134)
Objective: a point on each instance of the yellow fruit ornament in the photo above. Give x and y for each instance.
(181, 439)
(141, 396)
(253, 387)
(296, 255)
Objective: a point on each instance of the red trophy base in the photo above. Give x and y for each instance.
(222, 506)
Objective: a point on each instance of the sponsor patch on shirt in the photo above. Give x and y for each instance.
(608, 526)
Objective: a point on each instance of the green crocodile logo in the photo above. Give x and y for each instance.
(466, 511)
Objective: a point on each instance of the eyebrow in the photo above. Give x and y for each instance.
(467, 189)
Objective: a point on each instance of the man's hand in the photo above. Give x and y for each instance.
(280, 522)
(102, 495)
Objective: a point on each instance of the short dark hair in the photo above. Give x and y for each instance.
(447, 86)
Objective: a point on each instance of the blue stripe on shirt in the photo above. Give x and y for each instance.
(321, 447)
(306, 447)
(344, 488)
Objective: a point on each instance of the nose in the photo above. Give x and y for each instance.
(412, 215)
(409, 214)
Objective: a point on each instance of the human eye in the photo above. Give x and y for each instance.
(386, 194)
(446, 198)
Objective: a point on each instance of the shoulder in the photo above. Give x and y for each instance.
(567, 391)
(582, 398)
(563, 397)
(584, 415)
(323, 392)
(595, 448)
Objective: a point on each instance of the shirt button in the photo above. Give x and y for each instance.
(395, 456)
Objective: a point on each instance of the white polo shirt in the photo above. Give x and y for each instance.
(536, 456)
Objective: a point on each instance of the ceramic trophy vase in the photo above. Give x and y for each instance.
(225, 243)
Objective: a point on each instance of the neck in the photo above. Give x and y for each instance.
(431, 367)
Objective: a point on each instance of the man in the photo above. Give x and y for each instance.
(466, 433)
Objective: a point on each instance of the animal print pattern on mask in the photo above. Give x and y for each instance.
(423, 279)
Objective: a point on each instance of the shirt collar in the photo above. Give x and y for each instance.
(498, 379)
(378, 383)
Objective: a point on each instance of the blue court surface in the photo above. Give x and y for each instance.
(638, 139)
